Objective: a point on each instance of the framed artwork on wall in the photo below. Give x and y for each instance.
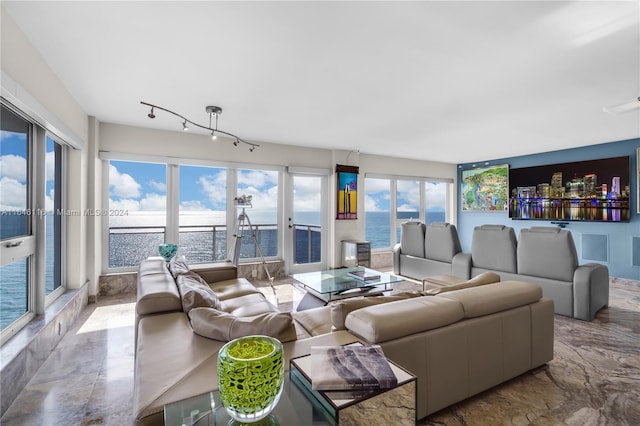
(485, 189)
(347, 178)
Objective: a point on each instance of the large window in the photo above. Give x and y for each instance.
(262, 186)
(198, 213)
(137, 211)
(391, 201)
(203, 213)
(31, 219)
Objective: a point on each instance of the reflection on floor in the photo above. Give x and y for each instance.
(594, 378)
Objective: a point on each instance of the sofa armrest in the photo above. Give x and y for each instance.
(215, 273)
(461, 265)
(396, 259)
(590, 290)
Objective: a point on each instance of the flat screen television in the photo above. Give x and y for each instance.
(594, 190)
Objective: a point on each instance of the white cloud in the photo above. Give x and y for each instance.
(122, 185)
(307, 196)
(14, 167)
(214, 188)
(14, 194)
(257, 178)
(158, 186)
(371, 204)
(154, 202)
(436, 195)
(50, 165)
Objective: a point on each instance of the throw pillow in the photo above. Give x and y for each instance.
(178, 265)
(195, 292)
(218, 325)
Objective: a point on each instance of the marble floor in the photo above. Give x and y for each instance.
(594, 378)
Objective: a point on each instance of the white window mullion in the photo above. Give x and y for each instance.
(232, 211)
(172, 234)
(38, 219)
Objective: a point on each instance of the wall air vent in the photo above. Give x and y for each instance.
(595, 247)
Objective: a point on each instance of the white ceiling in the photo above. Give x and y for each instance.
(447, 81)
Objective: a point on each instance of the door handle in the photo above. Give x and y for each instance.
(14, 244)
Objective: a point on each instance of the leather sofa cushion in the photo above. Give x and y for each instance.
(441, 242)
(412, 239)
(314, 321)
(496, 297)
(247, 305)
(342, 308)
(394, 320)
(493, 247)
(229, 289)
(547, 252)
(195, 292)
(218, 325)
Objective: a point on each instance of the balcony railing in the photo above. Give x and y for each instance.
(129, 245)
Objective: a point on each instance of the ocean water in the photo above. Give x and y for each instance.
(13, 278)
(199, 244)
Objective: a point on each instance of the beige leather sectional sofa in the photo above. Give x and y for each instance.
(458, 343)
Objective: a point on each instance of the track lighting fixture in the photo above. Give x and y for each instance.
(214, 112)
(630, 105)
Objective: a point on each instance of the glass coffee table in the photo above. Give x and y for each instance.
(322, 287)
(294, 408)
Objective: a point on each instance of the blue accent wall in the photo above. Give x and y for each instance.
(619, 236)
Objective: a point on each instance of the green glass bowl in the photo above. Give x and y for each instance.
(250, 377)
(167, 251)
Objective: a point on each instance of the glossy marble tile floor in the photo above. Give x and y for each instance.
(594, 378)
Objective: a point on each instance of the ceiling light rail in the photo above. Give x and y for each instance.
(213, 111)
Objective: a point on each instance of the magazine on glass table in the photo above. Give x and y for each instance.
(364, 275)
(350, 368)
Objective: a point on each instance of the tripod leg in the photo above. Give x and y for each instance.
(259, 253)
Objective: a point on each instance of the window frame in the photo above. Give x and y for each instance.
(37, 297)
(173, 198)
(394, 221)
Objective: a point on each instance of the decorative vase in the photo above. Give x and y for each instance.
(250, 377)
(167, 251)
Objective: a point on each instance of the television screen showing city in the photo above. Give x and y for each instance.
(594, 190)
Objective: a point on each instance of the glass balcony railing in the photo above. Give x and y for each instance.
(129, 245)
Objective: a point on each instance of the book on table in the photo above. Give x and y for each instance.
(349, 367)
(364, 275)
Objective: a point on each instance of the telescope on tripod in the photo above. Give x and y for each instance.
(243, 202)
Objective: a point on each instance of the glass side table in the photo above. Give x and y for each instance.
(294, 408)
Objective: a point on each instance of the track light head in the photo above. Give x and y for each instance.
(252, 148)
(184, 126)
(151, 114)
(235, 143)
(213, 135)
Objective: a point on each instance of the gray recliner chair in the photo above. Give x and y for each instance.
(426, 250)
(545, 256)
